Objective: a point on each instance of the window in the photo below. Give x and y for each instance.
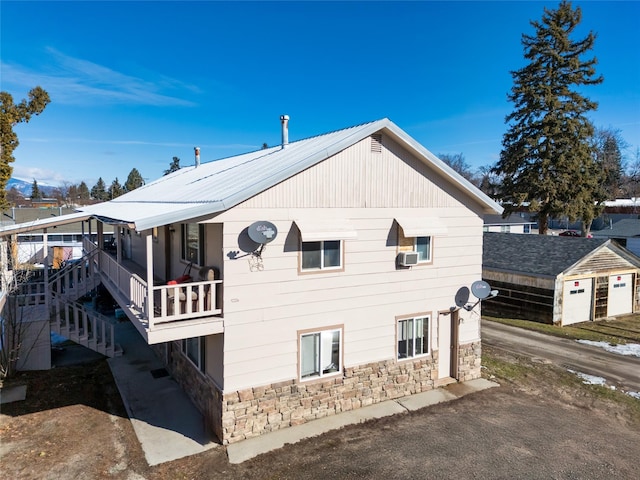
(320, 354)
(322, 255)
(193, 348)
(505, 228)
(193, 243)
(527, 228)
(423, 247)
(413, 337)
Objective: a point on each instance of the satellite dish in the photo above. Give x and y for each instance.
(481, 289)
(462, 296)
(262, 232)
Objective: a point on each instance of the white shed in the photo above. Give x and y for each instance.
(559, 280)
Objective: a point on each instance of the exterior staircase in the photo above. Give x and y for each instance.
(76, 321)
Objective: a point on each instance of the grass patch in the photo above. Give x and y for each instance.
(495, 367)
(619, 331)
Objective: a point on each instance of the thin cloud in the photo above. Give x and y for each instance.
(80, 82)
(69, 141)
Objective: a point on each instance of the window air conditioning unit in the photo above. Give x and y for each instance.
(407, 259)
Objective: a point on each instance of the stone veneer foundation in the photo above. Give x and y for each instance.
(252, 412)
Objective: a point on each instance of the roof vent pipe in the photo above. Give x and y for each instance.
(284, 119)
(197, 150)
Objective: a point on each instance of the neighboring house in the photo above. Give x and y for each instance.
(626, 232)
(559, 280)
(346, 299)
(64, 241)
(514, 223)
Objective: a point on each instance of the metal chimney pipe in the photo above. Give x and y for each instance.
(284, 119)
(197, 150)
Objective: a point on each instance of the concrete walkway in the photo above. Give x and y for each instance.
(169, 426)
(166, 422)
(246, 449)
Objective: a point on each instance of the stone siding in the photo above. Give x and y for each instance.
(204, 393)
(252, 412)
(469, 361)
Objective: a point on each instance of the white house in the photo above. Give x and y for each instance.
(346, 299)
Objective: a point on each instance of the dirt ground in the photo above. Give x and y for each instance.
(541, 423)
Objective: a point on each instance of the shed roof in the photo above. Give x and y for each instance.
(216, 186)
(544, 255)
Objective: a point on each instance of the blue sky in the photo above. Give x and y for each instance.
(133, 84)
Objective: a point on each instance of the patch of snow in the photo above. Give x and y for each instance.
(628, 349)
(590, 379)
(634, 394)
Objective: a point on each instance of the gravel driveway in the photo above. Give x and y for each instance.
(542, 423)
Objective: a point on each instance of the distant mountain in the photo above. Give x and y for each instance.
(24, 187)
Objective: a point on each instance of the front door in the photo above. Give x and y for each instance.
(448, 345)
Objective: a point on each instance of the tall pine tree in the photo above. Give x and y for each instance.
(547, 158)
(134, 180)
(115, 190)
(36, 194)
(99, 191)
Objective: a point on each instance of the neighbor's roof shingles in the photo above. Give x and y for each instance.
(535, 254)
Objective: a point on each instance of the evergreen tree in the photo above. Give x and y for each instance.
(547, 158)
(115, 190)
(10, 115)
(174, 166)
(608, 149)
(36, 194)
(83, 193)
(134, 180)
(99, 191)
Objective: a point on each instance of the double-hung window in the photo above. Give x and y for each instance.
(320, 353)
(322, 255)
(413, 337)
(193, 243)
(193, 348)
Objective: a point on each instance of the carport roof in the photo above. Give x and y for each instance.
(540, 255)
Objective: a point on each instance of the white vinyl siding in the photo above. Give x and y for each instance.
(264, 310)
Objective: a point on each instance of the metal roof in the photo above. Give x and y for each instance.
(216, 186)
(44, 223)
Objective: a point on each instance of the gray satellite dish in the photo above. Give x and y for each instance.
(481, 289)
(262, 232)
(462, 296)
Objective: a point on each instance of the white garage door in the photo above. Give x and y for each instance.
(620, 295)
(576, 305)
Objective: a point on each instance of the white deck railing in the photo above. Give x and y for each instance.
(171, 303)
